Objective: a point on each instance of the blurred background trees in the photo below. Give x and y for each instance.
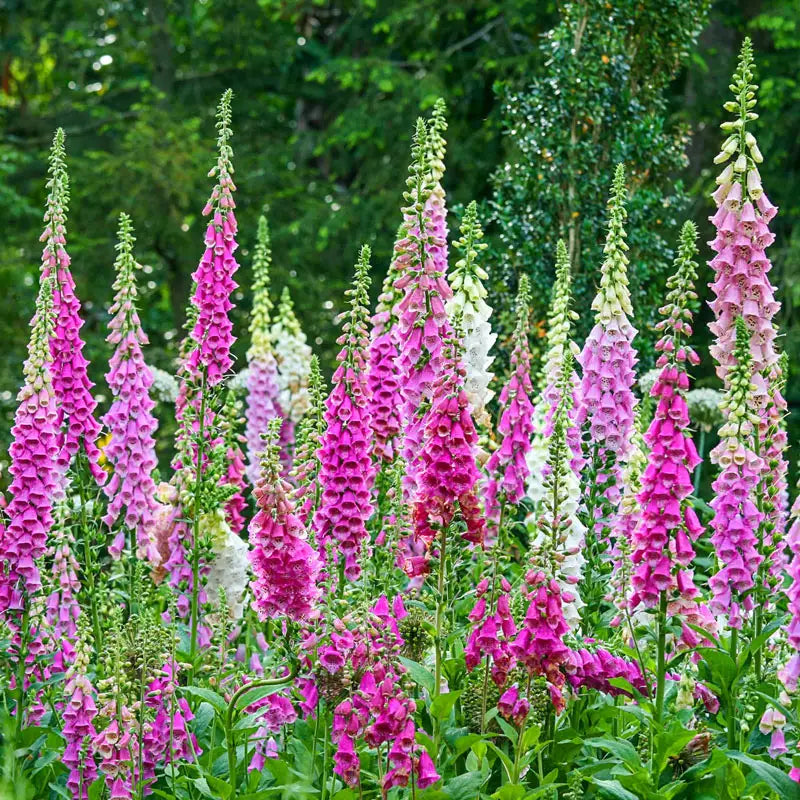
(326, 93)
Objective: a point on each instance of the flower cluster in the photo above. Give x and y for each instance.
(469, 309)
(284, 564)
(130, 421)
(508, 466)
(346, 471)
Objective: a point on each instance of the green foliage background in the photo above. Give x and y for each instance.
(326, 93)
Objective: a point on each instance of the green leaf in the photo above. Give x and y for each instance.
(669, 743)
(258, 693)
(623, 750)
(613, 789)
(722, 666)
(421, 676)
(776, 779)
(511, 791)
(465, 787)
(443, 704)
(216, 700)
(202, 718)
(205, 783)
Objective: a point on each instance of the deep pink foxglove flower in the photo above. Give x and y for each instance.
(75, 405)
(493, 628)
(508, 468)
(448, 474)
(34, 466)
(608, 356)
(742, 287)
(213, 328)
(789, 674)
(346, 471)
(262, 369)
(661, 543)
(285, 566)
(736, 516)
(422, 319)
(130, 420)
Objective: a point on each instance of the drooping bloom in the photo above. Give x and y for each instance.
(736, 518)
(305, 470)
(608, 357)
(130, 421)
(34, 465)
(213, 329)
(235, 469)
(741, 287)
(507, 467)
(448, 475)
(468, 306)
(346, 470)
(386, 399)
(662, 549)
(422, 319)
(790, 672)
(78, 729)
(285, 566)
(262, 369)
(78, 428)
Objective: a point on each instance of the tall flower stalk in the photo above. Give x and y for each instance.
(346, 469)
(130, 421)
(468, 306)
(262, 369)
(661, 544)
(79, 429)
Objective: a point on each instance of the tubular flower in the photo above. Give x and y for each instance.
(305, 470)
(448, 475)
(507, 467)
(130, 421)
(557, 540)
(285, 566)
(214, 284)
(608, 356)
(386, 399)
(78, 714)
(75, 405)
(468, 305)
(262, 369)
(346, 472)
(559, 344)
(661, 543)
(736, 517)
(34, 465)
(293, 356)
(422, 319)
(741, 287)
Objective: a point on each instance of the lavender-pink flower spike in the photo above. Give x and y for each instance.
(741, 287)
(507, 468)
(423, 324)
(262, 369)
(34, 464)
(468, 305)
(213, 328)
(285, 565)
(346, 470)
(130, 420)
(75, 404)
(608, 356)
(661, 544)
(736, 517)
(386, 398)
(789, 674)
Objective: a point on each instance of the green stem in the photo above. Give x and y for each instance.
(23, 649)
(440, 608)
(698, 473)
(88, 567)
(230, 716)
(195, 611)
(326, 740)
(661, 658)
(732, 695)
